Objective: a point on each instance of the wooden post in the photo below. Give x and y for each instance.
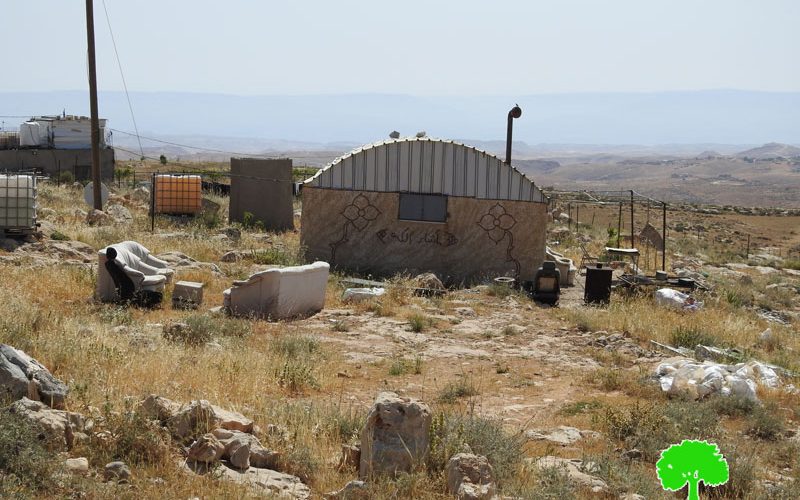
(619, 225)
(747, 255)
(95, 121)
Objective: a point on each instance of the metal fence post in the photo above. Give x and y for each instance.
(153, 204)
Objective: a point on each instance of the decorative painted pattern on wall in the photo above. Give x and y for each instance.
(358, 214)
(497, 223)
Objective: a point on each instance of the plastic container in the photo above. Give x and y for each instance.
(17, 202)
(178, 194)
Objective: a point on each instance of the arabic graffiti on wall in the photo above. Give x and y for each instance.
(410, 237)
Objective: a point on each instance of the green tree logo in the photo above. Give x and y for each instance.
(689, 463)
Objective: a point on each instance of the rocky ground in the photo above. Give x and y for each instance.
(474, 393)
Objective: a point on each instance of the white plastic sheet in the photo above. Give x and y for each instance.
(699, 380)
(359, 294)
(673, 299)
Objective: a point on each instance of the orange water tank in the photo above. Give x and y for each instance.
(178, 194)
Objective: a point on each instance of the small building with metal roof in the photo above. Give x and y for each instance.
(424, 205)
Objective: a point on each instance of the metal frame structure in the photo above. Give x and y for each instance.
(31, 191)
(611, 198)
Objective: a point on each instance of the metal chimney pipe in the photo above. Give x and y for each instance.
(515, 112)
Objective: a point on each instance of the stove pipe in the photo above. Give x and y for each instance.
(515, 112)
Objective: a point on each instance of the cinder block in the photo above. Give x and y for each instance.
(187, 294)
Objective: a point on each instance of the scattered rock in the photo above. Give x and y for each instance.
(429, 281)
(98, 218)
(631, 496)
(395, 435)
(60, 429)
(561, 435)
(141, 194)
(117, 471)
(244, 450)
(470, 477)
(465, 311)
(119, 213)
(260, 481)
(234, 233)
(199, 417)
(232, 256)
(634, 454)
(206, 449)
(23, 376)
(158, 408)
(575, 470)
(351, 457)
(513, 329)
(77, 466)
(9, 244)
(354, 490)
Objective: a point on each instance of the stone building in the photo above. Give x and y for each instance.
(420, 204)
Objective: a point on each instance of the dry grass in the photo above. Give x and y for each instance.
(285, 374)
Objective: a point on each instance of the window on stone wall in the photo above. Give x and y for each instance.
(423, 207)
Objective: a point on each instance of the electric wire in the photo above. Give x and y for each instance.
(122, 75)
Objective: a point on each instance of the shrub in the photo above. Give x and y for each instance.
(732, 406)
(691, 337)
(24, 461)
(202, 328)
(766, 423)
(419, 322)
(130, 438)
(277, 256)
(402, 366)
(66, 177)
(580, 407)
(463, 387)
(452, 433)
(296, 346)
(296, 376)
(59, 236)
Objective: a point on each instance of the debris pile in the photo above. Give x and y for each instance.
(699, 380)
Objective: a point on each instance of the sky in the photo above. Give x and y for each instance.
(453, 48)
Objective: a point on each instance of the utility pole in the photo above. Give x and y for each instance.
(95, 123)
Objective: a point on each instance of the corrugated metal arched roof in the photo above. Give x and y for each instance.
(425, 165)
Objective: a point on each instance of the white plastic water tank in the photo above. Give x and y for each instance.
(17, 201)
(30, 134)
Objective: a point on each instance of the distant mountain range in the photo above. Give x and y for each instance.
(770, 151)
(718, 120)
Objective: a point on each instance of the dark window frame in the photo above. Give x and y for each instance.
(432, 212)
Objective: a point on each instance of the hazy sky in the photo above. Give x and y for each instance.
(463, 47)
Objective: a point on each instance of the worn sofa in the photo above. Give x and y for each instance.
(146, 272)
(279, 293)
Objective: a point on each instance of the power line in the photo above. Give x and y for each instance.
(200, 148)
(122, 75)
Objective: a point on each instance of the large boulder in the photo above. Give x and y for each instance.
(59, 429)
(395, 437)
(23, 376)
(470, 477)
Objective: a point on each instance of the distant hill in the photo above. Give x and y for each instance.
(770, 151)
